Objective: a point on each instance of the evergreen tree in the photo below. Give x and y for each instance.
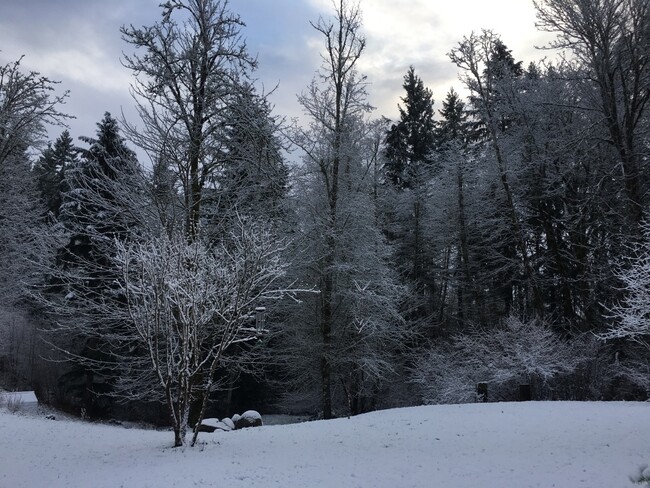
(252, 175)
(409, 143)
(453, 123)
(50, 171)
(87, 200)
(409, 148)
(99, 206)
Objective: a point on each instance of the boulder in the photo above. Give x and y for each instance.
(227, 421)
(250, 418)
(210, 425)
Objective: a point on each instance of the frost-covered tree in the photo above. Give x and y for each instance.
(187, 305)
(252, 176)
(20, 224)
(411, 140)
(409, 166)
(629, 317)
(28, 103)
(610, 39)
(342, 339)
(489, 73)
(104, 200)
(191, 71)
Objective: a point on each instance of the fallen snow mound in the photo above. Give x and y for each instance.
(518, 445)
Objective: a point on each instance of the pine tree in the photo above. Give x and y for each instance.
(409, 148)
(252, 177)
(87, 200)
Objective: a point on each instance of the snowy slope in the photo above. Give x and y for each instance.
(480, 445)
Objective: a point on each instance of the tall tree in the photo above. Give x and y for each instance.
(20, 225)
(203, 123)
(50, 171)
(190, 72)
(252, 178)
(28, 103)
(94, 213)
(409, 143)
(409, 148)
(487, 76)
(611, 39)
(352, 325)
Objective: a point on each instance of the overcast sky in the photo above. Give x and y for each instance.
(78, 43)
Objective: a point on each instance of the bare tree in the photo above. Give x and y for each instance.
(353, 326)
(340, 99)
(27, 105)
(193, 67)
(611, 40)
(189, 303)
(149, 309)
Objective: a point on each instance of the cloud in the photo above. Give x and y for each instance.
(79, 43)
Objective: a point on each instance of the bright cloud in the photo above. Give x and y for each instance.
(402, 33)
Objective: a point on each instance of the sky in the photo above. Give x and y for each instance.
(78, 43)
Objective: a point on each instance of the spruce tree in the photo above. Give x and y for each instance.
(97, 209)
(50, 171)
(409, 143)
(453, 124)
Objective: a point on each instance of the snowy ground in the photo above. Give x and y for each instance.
(498, 445)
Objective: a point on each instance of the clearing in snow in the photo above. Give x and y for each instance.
(496, 445)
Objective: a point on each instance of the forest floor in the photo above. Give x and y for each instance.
(496, 445)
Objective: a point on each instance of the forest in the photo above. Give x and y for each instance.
(341, 263)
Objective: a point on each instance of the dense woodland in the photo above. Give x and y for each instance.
(497, 238)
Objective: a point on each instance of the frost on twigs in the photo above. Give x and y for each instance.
(515, 352)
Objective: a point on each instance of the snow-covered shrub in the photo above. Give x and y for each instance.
(444, 378)
(508, 355)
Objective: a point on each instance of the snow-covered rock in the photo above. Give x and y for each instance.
(210, 425)
(250, 418)
(227, 421)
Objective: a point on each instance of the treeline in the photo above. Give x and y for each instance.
(499, 238)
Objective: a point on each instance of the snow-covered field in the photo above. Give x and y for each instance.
(499, 445)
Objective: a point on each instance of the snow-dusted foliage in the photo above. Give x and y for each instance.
(188, 303)
(339, 344)
(27, 105)
(513, 353)
(631, 316)
(192, 69)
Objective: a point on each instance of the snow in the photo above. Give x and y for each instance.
(25, 401)
(497, 445)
